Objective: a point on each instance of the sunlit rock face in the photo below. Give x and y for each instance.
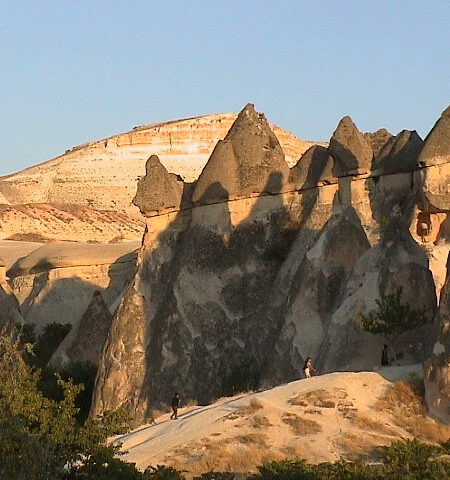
(87, 192)
(256, 266)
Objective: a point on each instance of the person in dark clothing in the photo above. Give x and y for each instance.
(384, 356)
(308, 369)
(175, 403)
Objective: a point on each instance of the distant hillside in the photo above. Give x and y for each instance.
(87, 191)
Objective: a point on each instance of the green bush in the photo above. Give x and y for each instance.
(215, 476)
(44, 345)
(40, 438)
(161, 472)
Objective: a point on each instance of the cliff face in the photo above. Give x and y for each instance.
(256, 267)
(56, 282)
(89, 189)
(9, 306)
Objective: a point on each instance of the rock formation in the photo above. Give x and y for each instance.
(262, 266)
(158, 190)
(437, 367)
(85, 340)
(399, 154)
(249, 160)
(55, 282)
(202, 281)
(9, 306)
(87, 192)
(314, 169)
(435, 156)
(350, 149)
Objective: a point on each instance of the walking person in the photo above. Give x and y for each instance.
(175, 402)
(308, 369)
(384, 357)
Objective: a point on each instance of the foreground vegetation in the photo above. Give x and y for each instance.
(43, 437)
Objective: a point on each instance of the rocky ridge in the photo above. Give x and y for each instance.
(250, 274)
(87, 192)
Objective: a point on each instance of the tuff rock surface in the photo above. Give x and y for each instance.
(9, 306)
(249, 160)
(350, 149)
(56, 282)
(437, 367)
(87, 192)
(263, 266)
(85, 340)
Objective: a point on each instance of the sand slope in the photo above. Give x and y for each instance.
(318, 419)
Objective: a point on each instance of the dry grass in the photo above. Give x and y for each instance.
(250, 439)
(366, 423)
(224, 456)
(313, 411)
(404, 401)
(254, 406)
(318, 398)
(301, 426)
(293, 452)
(354, 446)
(258, 421)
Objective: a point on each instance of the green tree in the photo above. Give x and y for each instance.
(40, 437)
(391, 317)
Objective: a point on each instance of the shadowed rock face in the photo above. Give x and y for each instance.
(55, 282)
(236, 291)
(437, 144)
(85, 341)
(399, 154)
(437, 368)
(314, 295)
(436, 155)
(386, 266)
(158, 189)
(244, 162)
(315, 168)
(378, 140)
(349, 147)
(9, 306)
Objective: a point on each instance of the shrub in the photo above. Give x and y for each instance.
(392, 317)
(39, 437)
(215, 476)
(161, 472)
(407, 454)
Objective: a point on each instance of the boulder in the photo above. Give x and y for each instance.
(158, 190)
(437, 367)
(314, 168)
(85, 340)
(249, 160)
(350, 149)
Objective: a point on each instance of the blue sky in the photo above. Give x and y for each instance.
(76, 71)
